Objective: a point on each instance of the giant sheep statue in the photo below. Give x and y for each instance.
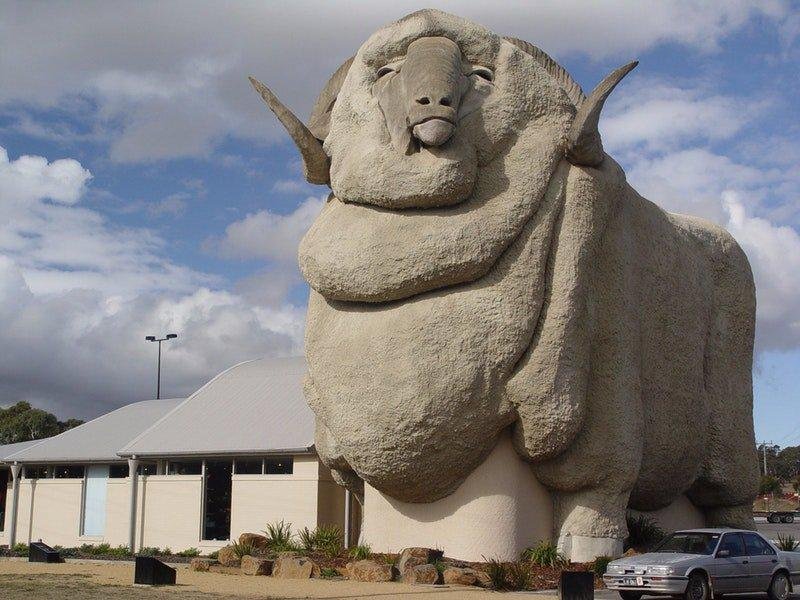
(482, 268)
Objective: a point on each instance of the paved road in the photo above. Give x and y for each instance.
(771, 530)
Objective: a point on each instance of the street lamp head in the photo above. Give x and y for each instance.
(150, 338)
(172, 336)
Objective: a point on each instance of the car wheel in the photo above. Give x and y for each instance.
(630, 595)
(697, 588)
(773, 519)
(779, 587)
(788, 519)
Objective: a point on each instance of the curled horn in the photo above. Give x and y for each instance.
(320, 120)
(315, 162)
(584, 146)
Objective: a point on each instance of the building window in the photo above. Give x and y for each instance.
(4, 477)
(217, 509)
(68, 471)
(279, 465)
(35, 472)
(249, 466)
(118, 471)
(148, 469)
(194, 467)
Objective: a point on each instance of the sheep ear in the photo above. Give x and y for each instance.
(315, 162)
(584, 146)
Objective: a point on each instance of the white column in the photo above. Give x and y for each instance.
(12, 511)
(133, 473)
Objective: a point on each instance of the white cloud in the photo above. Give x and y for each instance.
(659, 116)
(78, 295)
(269, 235)
(169, 80)
(174, 205)
(29, 178)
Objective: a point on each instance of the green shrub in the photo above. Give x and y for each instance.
(119, 551)
(440, 565)
(643, 533)
(788, 543)
(544, 554)
(497, 572)
(214, 555)
(189, 552)
(307, 539)
(149, 551)
(518, 576)
(360, 552)
(21, 549)
(329, 540)
(241, 549)
(600, 565)
(328, 572)
(279, 537)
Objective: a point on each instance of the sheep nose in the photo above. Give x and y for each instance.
(443, 101)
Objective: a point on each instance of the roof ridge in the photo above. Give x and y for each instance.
(123, 451)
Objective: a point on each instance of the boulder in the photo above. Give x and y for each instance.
(288, 565)
(411, 557)
(370, 570)
(254, 565)
(421, 574)
(227, 557)
(257, 541)
(460, 576)
(200, 564)
(483, 579)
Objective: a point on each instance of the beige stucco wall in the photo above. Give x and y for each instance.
(305, 498)
(55, 508)
(169, 507)
(170, 511)
(499, 510)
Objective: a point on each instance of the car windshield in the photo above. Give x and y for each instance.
(689, 543)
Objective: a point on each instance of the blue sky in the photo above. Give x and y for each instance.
(147, 189)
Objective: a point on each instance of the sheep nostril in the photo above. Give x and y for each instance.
(423, 100)
(445, 101)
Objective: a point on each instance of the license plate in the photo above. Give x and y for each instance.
(633, 581)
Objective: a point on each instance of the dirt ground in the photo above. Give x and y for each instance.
(114, 581)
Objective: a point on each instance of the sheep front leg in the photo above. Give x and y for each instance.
(590, 523)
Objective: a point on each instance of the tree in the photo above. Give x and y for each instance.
(786, 463)
(21, 423)
(769, 485)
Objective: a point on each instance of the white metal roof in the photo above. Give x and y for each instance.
(254, 407)
(98, 440)
(9, 449)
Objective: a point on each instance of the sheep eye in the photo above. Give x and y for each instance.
(483, 73)
(384, 71)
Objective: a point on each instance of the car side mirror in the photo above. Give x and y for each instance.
(723, 554)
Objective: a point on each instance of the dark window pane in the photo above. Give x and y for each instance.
(35, 472)
(185, 468)
(756, 546)
(148, 469)
(217, 522)
(733, 543)
(248, 466)
(5, 476)
(69, 471)
(118, 471)
(280, 465)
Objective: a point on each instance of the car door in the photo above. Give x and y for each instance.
(763, 559)
(730, 568)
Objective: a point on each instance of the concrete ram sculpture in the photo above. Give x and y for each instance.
(483, 275)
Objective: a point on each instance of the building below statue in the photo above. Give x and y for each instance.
(497, 512)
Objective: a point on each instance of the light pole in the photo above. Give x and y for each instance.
(152, 338)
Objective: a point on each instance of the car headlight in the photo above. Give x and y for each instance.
(660, 570)
(615, 569)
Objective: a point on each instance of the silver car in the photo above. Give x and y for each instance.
(699, 564)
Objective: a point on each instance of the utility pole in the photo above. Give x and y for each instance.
(152, 338)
